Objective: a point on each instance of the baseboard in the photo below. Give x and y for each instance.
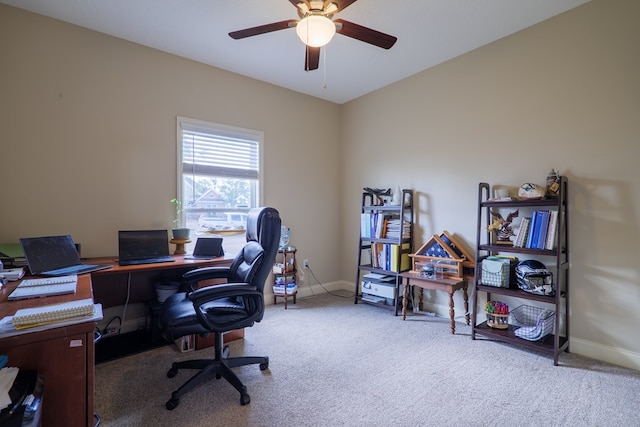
(305, 291)
(605, 353)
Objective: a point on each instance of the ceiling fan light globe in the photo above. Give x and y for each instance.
(315, 30)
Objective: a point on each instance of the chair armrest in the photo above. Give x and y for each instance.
(205, 273)
(253, 299)
(191, 278)
(211, 293)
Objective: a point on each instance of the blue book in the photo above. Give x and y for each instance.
(542, 233)
(532, 229)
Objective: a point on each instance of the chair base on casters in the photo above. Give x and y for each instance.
(220, 367)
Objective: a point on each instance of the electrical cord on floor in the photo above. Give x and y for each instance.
(107, 328)
(322, 286)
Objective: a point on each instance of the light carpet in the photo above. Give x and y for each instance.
(336, 363)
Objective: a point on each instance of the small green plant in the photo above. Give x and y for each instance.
(178, 204)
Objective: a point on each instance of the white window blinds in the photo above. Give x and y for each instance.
(220, 152)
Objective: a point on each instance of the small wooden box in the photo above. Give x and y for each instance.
(446, 253)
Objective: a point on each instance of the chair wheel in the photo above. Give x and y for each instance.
(172, 373)
(265, 365)
(244, 399)
(172, 403)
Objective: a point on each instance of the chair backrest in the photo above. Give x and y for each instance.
(255, 260)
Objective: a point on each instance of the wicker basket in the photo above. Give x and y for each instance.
(497, 321)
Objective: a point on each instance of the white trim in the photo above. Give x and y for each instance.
(606, 353)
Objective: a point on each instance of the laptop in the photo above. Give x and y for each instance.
(55, 256)
(207, 248)
(143, 247)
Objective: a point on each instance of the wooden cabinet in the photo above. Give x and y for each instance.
(63, 356)
(386, 240)
(556, 260)
(285, 273)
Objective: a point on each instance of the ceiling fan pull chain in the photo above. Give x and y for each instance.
(324, 67)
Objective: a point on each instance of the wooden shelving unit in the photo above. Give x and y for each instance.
(558, 341)
(287, 258)
(402, 212)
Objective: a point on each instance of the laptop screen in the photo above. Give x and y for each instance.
(140, 244)
(49, 253)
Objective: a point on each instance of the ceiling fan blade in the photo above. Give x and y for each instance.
(365, 34)
(262, 29)
(311, 58)
(342, 4)
(295, 3)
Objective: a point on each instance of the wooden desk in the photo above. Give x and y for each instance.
(63, 356)
(112, 286)
(448, 285)
(135, 284)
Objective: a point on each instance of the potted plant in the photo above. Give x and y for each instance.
(179, 232)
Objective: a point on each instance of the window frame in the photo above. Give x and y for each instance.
(184, 124)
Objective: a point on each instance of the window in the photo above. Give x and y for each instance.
(219, 179)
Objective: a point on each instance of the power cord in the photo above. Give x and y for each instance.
(107, 330)
(308, 267)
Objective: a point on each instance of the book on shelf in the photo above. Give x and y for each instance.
(376, 225)
(401, 256)
(541, 237)
(386, 256)
(532, 229)
(523, 232)
(541, 228)
(551, 232)
(365, 224)
(381, 226)
(375, 254)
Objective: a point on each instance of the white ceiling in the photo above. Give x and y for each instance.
(429, 32)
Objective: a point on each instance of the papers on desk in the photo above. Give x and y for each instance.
(46, 286)
(37, 316)
(7, 327)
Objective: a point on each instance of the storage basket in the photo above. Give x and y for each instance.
(495, 273)
(533, 323)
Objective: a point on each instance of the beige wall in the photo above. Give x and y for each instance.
(563, 94)
(83, 111)
(88, 134)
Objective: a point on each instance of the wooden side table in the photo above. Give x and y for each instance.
(289, 269)
(448, 285)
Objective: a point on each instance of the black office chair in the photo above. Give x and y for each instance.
(223, 308)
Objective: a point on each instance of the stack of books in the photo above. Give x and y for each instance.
(291, 288)
(538, 231)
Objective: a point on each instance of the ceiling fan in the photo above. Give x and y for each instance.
(316, 27)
